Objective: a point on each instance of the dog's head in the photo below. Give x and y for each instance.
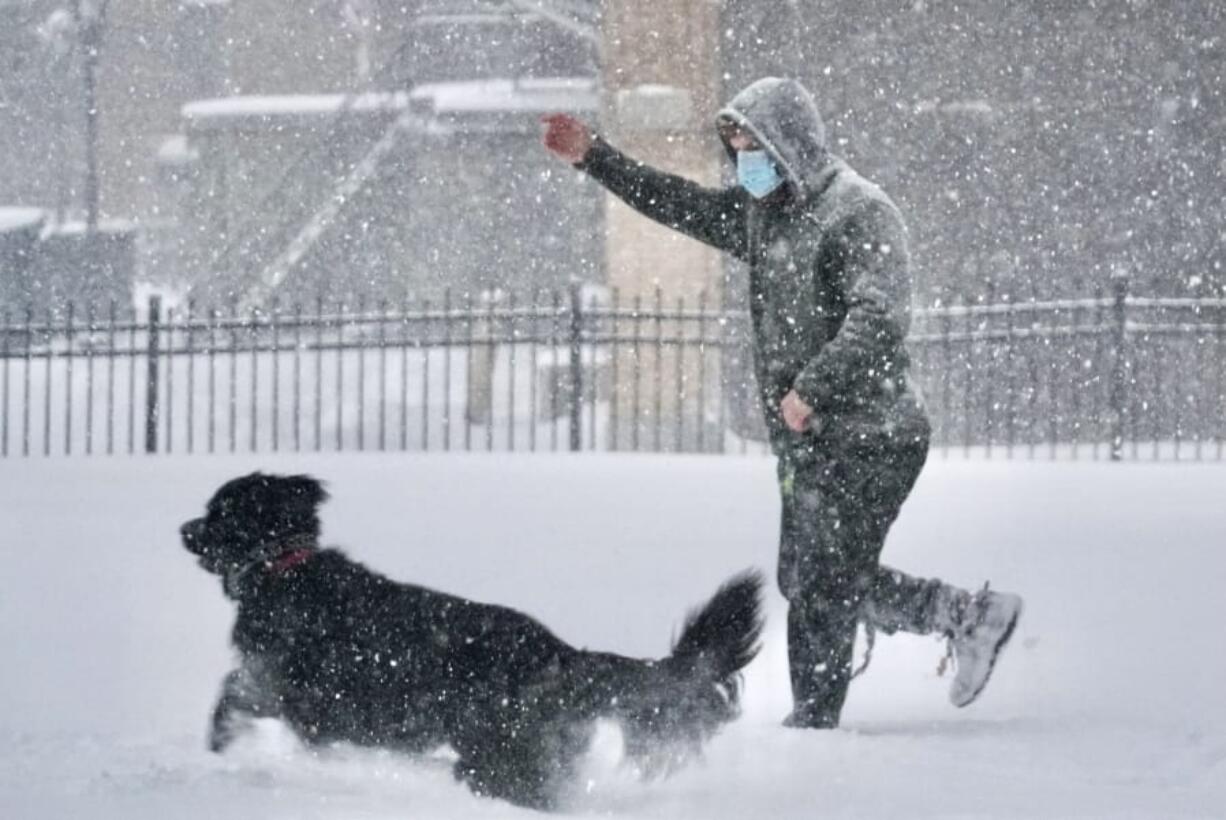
(249, 516)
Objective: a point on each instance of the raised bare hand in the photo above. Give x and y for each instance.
(567, 137)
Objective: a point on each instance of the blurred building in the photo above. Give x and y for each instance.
(1035, 147)
(214, 187)
(387, 197)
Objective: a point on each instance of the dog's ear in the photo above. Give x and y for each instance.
(305, 489)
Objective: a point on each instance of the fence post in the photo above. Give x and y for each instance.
(576, 366)
(1119, 375)
(151, 376)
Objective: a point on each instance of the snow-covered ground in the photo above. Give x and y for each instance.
(1109, 703)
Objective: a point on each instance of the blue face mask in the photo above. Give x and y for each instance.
(756, 173)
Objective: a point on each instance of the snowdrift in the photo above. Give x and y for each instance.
(1107, 704)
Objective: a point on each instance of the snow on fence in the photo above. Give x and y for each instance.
(1109, 376)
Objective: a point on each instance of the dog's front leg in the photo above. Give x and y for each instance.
(242, 700)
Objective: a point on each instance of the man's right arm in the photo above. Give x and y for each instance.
(714, 216)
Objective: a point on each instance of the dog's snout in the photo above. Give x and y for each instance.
(191, 532)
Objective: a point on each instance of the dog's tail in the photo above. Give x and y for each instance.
(668, 708)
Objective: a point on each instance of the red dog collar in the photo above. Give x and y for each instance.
(288, 560)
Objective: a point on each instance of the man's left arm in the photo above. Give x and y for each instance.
(872, 248)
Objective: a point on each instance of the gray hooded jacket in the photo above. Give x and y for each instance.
(829, 273)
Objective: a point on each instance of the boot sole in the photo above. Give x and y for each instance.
(996, 650)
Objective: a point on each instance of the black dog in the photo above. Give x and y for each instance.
(341, 653)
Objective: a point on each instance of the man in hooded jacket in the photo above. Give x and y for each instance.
(829, 298)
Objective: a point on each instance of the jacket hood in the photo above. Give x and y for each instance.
(782, 116)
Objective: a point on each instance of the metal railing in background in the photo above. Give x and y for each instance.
(1108, 376)
(1111, 376)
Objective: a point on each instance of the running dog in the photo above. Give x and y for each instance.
(341, 653)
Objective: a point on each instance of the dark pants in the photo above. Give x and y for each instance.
(837, 509)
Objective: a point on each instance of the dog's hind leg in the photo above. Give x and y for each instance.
(529, 767)
(242, 700)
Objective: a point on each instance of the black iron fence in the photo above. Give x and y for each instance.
(1108, 376)
(1112, 375)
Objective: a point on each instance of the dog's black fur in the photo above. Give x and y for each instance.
(341, 653)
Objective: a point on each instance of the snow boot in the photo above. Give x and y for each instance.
(981, 625)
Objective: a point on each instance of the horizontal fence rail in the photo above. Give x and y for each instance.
(1108, 376)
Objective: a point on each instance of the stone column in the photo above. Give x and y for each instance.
(660, 94)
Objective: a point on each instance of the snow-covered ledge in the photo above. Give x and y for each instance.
(14, 218)
(261, 109)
